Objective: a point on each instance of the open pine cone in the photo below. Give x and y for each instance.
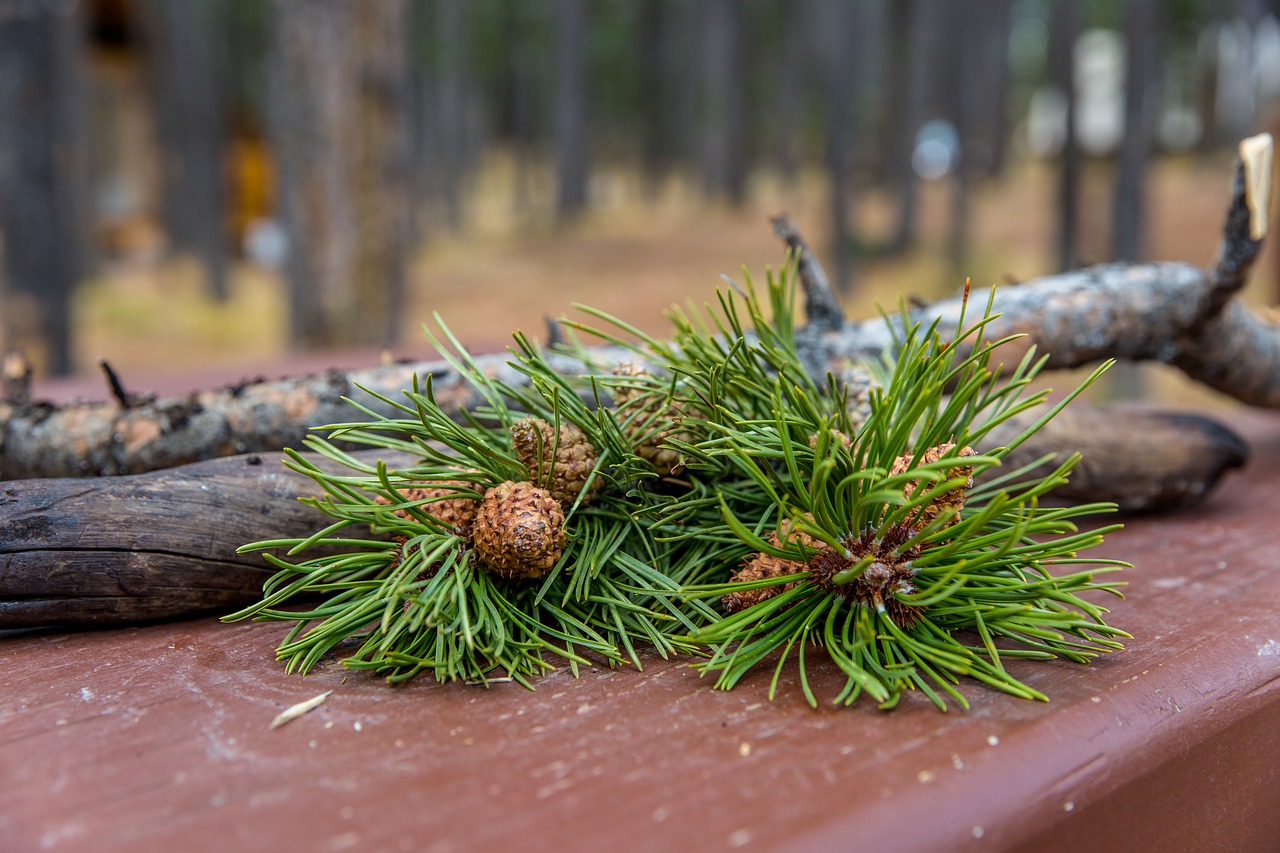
(457, 512)
(650, 421)
(763, 566)
(519, 530)
(951, 499)
(560, 463)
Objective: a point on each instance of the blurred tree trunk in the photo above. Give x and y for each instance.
(658, 151)
(965, 20)
(922, 22)
(185, 65)
(340, 130)
(837, 22)
(1064, 30)
(991, 102)
(450, 115)
(571, 107)
(788, 85)
(724, 163)
(42, 173)
(1141, 103)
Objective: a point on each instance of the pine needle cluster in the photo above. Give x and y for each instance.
(710, 497)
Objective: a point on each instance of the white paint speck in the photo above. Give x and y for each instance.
(1068, 806)
(739, 837)
(1095, 699)
(978, 832)
(992, 740)
(957, 762)
(926, 776)
(744, 749)
(358, 726)
(1168, 583)
(86, 695)
(1271, 648)
(660, 814)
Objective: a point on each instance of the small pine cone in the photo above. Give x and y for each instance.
(519, 530)
(651, 421)
(764, 566)
(560, 464)
(456, 512)
(951, 499)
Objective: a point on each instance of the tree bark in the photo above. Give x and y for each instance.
(153, 546)
(42, 175)
(192, 127)
(341, 135)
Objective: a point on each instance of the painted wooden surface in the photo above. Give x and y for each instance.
(156, 738)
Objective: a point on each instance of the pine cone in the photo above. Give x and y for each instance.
(519, 530)
(456, 512)
(764, 566)
(650, 421)
(562, 464)
(951, 499)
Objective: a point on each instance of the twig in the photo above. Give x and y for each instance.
(16, 379)
(1246, 223)
(117, 388)
(820, 303)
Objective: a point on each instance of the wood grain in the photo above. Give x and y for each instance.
(116, 550)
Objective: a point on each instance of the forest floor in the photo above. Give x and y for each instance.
(632, 256)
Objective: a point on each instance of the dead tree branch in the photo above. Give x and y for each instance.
(1169, 312)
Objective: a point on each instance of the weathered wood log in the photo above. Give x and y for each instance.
(1143, 461)
(1169, 312)
(117, 550)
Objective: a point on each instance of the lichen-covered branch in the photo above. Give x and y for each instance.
(1174, 313)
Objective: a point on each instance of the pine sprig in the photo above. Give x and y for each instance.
(885, 575)
(847, 512)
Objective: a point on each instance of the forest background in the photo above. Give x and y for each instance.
(205, 190)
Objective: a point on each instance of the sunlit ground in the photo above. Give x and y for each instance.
(634, 256)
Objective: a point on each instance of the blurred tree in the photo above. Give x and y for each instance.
(42, 172)
(185, 61)
(837, 21)
(1064, 30)
(571, 107)
(724, 161)
(1141, 108)
(920, 28)
(340, 130)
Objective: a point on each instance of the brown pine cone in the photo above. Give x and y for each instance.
(763, 566)
(951, 499)
(519, 530)
(457, 512)
(649, 422)
(561, 464)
